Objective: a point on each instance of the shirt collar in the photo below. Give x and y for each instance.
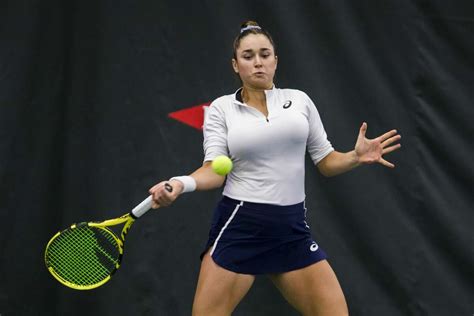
(238, 94)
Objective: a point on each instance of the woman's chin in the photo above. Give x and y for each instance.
(260, 85)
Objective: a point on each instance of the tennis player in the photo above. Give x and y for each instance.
(259, 225)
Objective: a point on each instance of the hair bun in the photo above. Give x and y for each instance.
(249, 25)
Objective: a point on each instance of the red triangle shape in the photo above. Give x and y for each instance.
(193, 116)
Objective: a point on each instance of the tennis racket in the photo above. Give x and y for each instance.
(86, 255)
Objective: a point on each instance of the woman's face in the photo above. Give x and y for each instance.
(255, 62)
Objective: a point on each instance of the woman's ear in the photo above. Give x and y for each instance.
(234, 65)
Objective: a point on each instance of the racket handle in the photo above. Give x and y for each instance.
(145, 205)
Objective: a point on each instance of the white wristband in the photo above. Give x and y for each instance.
(189, 184)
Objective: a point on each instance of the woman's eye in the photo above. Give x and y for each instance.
(247, 56)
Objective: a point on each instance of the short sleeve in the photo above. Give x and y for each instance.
(318, 145)
(215, 133)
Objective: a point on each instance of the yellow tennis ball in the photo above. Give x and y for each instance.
(222, 165)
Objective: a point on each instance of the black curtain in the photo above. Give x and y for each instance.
(85, 92)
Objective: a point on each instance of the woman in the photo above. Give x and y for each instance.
(259, 226)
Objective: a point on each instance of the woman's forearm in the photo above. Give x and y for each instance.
(336, 163)
(206, 178)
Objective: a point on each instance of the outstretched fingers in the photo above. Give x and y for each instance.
(387, 150)
(386, 163)
(391, 140)
(387, 141)
(387, 136)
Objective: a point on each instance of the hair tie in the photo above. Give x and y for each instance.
(250, 27)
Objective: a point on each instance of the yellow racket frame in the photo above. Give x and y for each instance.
(127, 219)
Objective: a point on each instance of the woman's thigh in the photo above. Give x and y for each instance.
(219, 290)
(313, 290)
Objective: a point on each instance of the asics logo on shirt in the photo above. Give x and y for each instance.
(287, 104)
(314, 246)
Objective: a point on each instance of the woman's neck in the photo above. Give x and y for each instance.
(254, 96)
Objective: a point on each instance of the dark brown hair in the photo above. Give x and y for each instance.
(251, 27)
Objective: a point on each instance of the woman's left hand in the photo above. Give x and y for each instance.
(370, 151)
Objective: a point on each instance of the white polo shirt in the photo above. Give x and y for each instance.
(268, 153)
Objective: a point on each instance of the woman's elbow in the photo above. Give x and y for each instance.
(325, 172)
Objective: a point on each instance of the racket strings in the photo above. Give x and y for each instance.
(84, 255)
(72, 259)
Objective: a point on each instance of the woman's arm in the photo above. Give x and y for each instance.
(367, 151)
(336, 163)
(205, 177)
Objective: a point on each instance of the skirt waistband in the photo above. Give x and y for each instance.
(265, 207)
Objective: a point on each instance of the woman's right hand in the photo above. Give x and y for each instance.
(205, 178)
(161, 195)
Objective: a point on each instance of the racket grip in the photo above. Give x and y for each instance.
(146, 204)
(143, 207)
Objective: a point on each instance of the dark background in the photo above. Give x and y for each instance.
(85, 89)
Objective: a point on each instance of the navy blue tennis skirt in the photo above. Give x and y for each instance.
(255, 238)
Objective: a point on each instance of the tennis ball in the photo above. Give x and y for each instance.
(222, 165)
